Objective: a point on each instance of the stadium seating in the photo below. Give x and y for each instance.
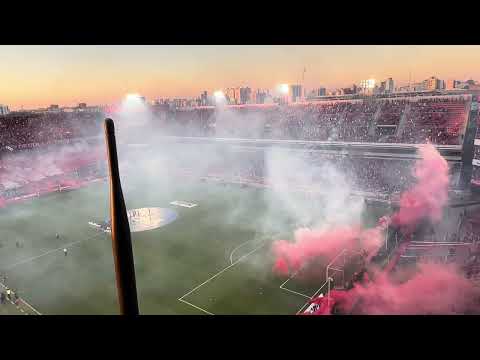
(439, 119)
(28, 130)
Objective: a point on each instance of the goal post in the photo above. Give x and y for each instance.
(340, 269)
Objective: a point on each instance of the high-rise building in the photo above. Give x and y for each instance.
(230, 95)
(236, 95)
(321, 91)
(245, 95)
(259, 96)
(432, 83)
(367, 86)
(4, 110)
(451, 84)
(204, 98)
(295, 92)
(389, 85)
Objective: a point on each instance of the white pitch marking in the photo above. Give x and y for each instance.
(295, 292)
(316, 292)
(238, 247)
(217, 274)
(196, 307)
(23, 301)
(51, 251)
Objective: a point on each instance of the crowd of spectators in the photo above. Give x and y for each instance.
(40, 170)
(437, 119)
(20, 130)
(440, 120)
(379, 176)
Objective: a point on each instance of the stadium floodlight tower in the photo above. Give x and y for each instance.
(121, 238)
(220, 99)
(284, 90)
(134, 103)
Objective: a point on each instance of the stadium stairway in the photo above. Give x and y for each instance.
(403, 121)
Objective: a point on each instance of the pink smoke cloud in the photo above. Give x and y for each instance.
(432, 289)
(436, 289)
(427, 198)
(310, 244)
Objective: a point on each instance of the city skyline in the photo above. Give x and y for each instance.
(37, 76)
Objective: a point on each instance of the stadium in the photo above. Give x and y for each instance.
(314, 207)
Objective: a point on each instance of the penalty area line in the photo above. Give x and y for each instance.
(297, 293)
(216, 275)
(238, 247)
(292, 291)
(196, 307)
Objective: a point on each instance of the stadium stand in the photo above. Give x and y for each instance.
(438, 119)
(28, 130)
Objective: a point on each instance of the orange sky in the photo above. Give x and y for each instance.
(36, 76)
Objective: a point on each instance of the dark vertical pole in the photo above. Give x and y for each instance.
(121, 239)
(468, 146)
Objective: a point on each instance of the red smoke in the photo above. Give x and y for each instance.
(310, 244)
(425, 199)
(429, 195)
(434, 289)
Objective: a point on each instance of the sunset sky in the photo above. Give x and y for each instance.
(36, 76)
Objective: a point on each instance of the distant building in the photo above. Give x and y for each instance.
(468, 85)
(452, 84)
(236, 95)
(179, 103)
(4, 110)
(389, 85)
(405, 88)
(245, 95)
(82, 106)
(295, 93)
(259, 96)
(318, 92)
(204, 98)
(54, 108)
(230, 95)
(432, 83)
(418, 87)
(367, 86)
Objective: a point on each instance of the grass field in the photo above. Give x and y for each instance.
(215, 257)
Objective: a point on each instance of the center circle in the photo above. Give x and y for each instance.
(144, 219)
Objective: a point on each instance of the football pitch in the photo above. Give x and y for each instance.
(215, 258)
